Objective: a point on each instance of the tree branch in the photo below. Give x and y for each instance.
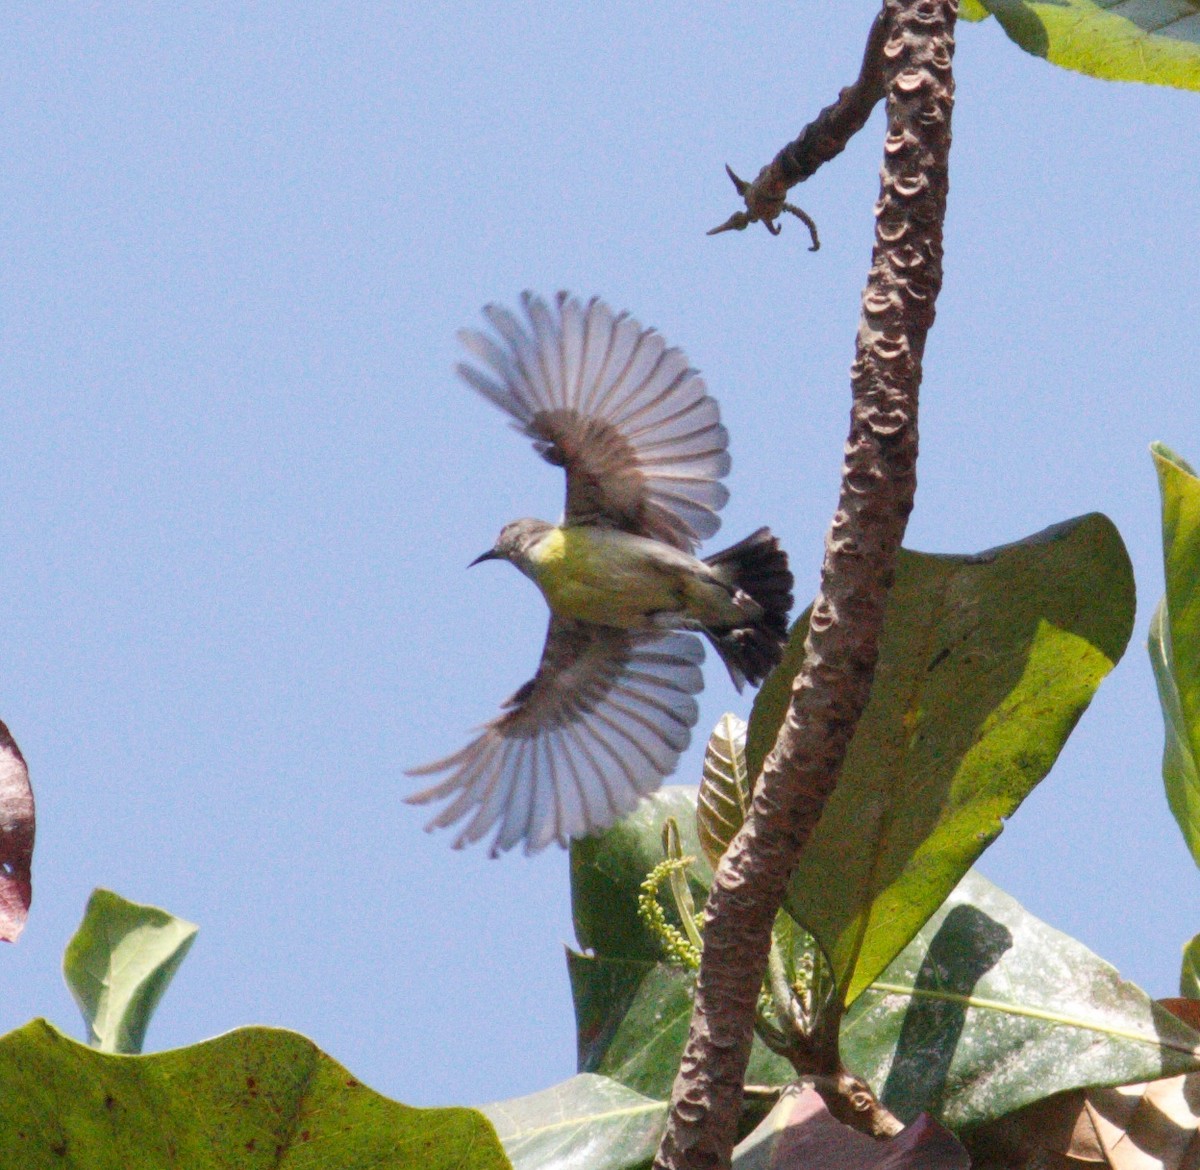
(825, 137)
(831, 690)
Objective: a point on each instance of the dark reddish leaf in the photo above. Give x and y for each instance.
(800, 1132)
(16, 838)
(1187, 1010)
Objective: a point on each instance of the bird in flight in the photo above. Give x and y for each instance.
(612, 704)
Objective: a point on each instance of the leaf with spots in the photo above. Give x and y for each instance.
(254, 1098)
(985, 665)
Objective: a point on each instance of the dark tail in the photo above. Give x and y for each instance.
(756, 569)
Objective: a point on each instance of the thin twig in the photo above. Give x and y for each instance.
(823, 138)
(831, 690)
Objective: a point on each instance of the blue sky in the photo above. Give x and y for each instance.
(241, 484)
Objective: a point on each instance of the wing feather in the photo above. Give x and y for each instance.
(603, 720)
(619, 411)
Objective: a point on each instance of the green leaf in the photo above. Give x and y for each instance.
(119, 963)
(632, 1018)
(986, 663)
(1189, 975)
(989, 1009)
(586, 1121)
(972, 10)
(725, 788)
(607, 872)
(1156, 41)
(1175, 640)
(257, 1097)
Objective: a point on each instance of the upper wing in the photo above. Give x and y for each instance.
(631, 423)
(598, 727)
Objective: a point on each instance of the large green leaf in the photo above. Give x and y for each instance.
(988, 1009)
(119, 963)
(1175, 640)
(1156, 41)
(587, 1121)
(986, 663)
(257, 1097)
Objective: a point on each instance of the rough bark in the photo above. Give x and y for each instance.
(824, 138)
(831, 690)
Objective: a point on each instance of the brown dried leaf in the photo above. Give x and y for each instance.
(800, 1132)
(1154, 1126)
(16, 838)
(1149, 1127)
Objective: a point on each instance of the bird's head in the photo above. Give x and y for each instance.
(515, 543)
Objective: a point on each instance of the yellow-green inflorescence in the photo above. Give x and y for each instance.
(681, 949)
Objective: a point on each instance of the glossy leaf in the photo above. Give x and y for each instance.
(16, 838)
(800, 1131)
(725, 788)
(989, 1009)
(119, 963)
(1156, 41)
(607, 872)
(632, 1018)
(1175, 641)
(632, 1009)
(986, 663)
(257, 1097)
(587, 1121)
(1189, 975)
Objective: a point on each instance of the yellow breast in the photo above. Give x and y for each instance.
(594, 575)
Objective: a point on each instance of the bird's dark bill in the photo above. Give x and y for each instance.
(490, 555)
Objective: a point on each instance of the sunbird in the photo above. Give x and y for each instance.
(612, 705)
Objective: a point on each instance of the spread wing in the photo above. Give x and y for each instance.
(628, 420)
(597, 728)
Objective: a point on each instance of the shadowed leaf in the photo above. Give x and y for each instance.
(1155, 41)
(257, 1099)
(119, 963)
(632, 1020)
(1175, 641)
(16, 838)
(989, 1009)
(724, 788)
(986, 663)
